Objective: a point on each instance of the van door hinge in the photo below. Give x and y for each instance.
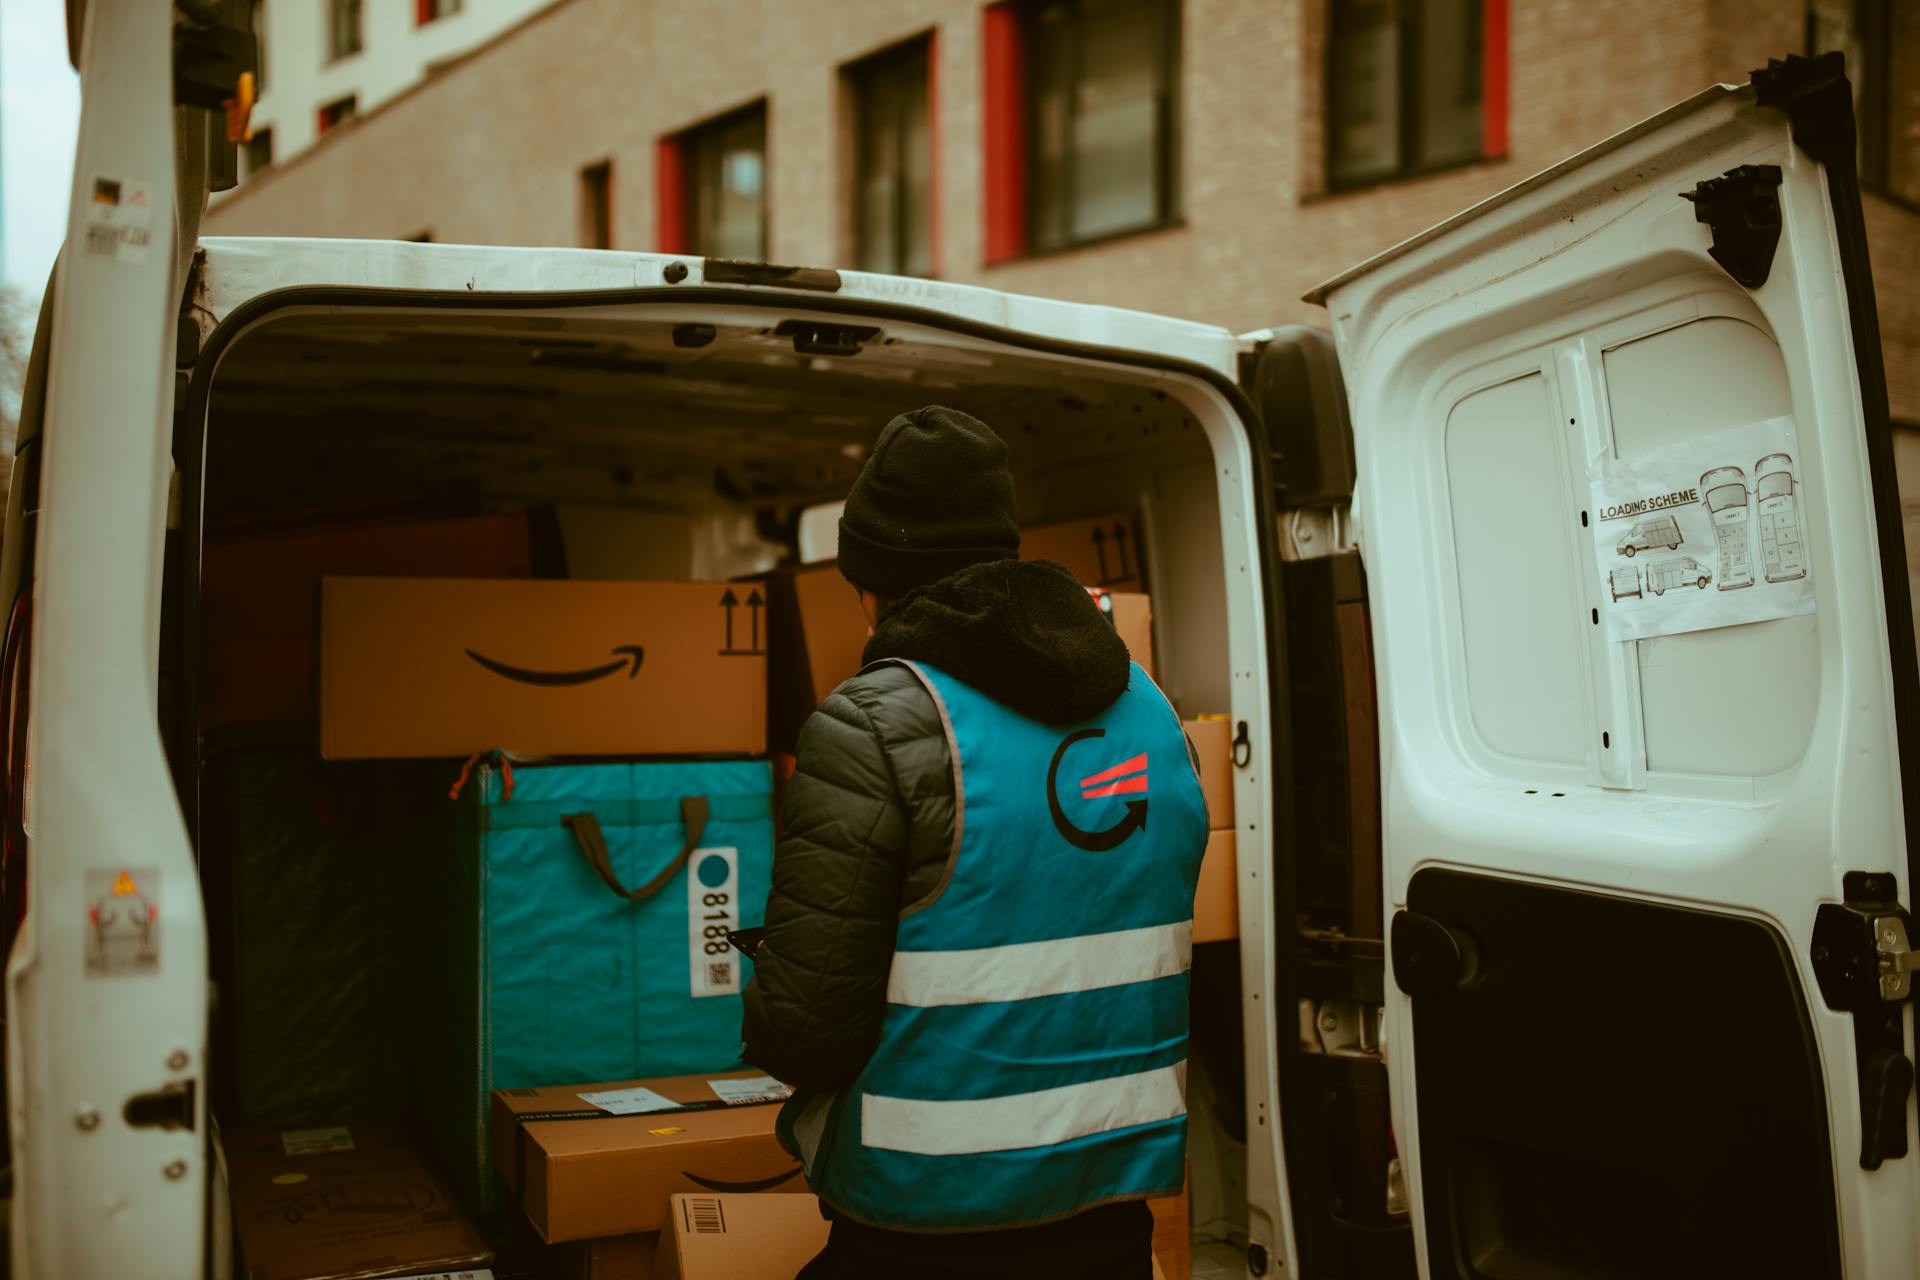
(1742, 208)
(1864, 963)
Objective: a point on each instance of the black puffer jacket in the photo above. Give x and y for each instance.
(869, 813)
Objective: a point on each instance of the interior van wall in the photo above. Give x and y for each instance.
(1173, 490)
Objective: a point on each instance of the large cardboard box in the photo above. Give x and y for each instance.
(628, 1257)
(581, 1172)
(1173, 1234)
(1212, 738)
(260, 597)
(816, 634)
(1131, 614)
(1216, 903)
(736, 1237)
(1102, 551)
(441, 667)
(343, 1203)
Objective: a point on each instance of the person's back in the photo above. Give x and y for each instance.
(975, 964)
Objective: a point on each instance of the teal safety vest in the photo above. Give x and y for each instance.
(1032, 1060)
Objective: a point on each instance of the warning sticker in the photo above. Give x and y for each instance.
(713, 910)
(1702, 533)
(118, 219)
(123, 921)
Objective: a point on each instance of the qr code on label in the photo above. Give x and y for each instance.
(720, 973)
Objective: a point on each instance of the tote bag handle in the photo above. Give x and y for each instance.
(593, 847)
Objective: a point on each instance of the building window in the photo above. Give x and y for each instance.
(343, 29)
(716, 175)
(1881, 41)
(1409, 84)
(425, 11)
(335, 114)
(596, 205)
(258, 152)
(1100, 118)
(893, 161)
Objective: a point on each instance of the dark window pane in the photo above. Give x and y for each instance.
(1448, 122)
(879, 175)
(726, 163)
(343, 28)
(1363, 77)
(1051, 52)
(893, 172)
(1116, 118)
(259, 152)
(1100, 158)
(596, 206)
(916, 179)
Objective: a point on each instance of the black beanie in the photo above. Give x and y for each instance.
(934, 497)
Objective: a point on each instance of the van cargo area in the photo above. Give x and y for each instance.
(682, 443)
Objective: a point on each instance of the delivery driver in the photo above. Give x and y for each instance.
(976, 950)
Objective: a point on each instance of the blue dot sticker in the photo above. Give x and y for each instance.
(712, 871)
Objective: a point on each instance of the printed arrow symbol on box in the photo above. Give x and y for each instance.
(1100, 547)
(634, 655)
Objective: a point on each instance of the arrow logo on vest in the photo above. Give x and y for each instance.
(1126, 778)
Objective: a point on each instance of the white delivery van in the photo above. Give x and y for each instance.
(1557, 956)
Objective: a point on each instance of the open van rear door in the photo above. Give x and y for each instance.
(1648, 854)
(107, 979)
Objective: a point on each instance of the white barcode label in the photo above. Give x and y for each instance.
(309, 1142)
(704, 1216)
(713, 911)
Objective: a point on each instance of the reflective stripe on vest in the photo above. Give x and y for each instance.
(1032, 1060)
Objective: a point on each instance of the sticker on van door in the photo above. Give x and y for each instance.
(1701, 533)
(123, 921)
(119, 219)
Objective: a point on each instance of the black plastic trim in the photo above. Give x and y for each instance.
(1818, 101)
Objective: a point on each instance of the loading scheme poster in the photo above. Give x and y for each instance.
(1701, 533)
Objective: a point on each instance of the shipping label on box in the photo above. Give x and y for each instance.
(1102, 551)
(441, 667)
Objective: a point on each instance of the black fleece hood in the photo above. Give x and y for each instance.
(1023, 632)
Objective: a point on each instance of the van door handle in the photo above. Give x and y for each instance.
(168, 1107)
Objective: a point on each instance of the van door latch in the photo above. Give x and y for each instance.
(1864, 963)
(1742, 207)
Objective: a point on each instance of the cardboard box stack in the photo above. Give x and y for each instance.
(589, 1161)
(1216, 903)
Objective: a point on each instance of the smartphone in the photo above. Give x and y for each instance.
(746, 941)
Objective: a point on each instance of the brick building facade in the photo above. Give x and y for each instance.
(568, 131)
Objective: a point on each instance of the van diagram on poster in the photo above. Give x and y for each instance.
(1701, 533)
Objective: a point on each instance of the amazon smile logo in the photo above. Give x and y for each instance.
(626, 656)
(1127, 778)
